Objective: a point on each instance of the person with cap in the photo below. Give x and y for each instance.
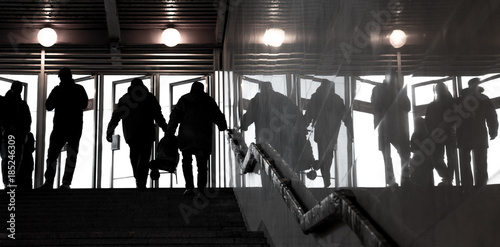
(68, 99)
(476, 111)
(195, 113)
(139, 109)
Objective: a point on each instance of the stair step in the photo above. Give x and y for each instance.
(162, 217)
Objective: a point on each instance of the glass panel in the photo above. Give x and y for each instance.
(117, 167)
(85, 160)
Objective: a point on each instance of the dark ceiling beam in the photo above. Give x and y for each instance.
(113, 30)
(112, 20)
(220, 27)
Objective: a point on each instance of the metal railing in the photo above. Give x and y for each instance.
(337, 207)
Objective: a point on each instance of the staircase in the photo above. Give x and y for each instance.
(111, 217)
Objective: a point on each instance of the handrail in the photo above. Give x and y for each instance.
(338, 206)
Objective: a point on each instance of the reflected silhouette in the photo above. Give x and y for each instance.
(421, 171)
(195, 113)
(443, 133)
(476, 109)
(390, 114)
(139, 109)
(279, 122)
(326, 110)
(16, 124)
(69, 100)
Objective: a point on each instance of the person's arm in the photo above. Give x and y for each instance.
(248, 118)
(157, 114)
(491, 119)
(51, 102)
(176, 117)
(83, 99)
(117, 115)
(218, 117)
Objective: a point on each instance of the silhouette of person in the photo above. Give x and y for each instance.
(69, 100)
(326, 110)
(446, 130)
(390, 113)
(139, 110)
(279, 122)
(472, 134)
(16, 126)
(421, 162)
(195, 113)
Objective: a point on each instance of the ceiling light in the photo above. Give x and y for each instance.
(397, 38)
(171, 37)
(47, 37)
(274, 37)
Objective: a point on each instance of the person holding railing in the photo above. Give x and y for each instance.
(195, 113)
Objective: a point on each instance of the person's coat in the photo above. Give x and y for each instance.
(69, 100)
(139, 109)
(479, 112)
(195, 112)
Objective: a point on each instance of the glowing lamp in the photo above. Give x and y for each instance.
(397, 38)
(274, 37)
(171, 37)
(47, 37)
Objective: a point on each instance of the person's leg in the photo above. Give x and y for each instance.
(439, 164)
(142, 168)
(187, 168)
(465, 168)
(325, 153)
(57, 141)
(389, 171)
(480, 166)
(72, 154)
(202, 163)
(451, 155)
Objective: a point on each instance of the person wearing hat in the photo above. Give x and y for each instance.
(476, 112)
(68, 99)
(139, 110)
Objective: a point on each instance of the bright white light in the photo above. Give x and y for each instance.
(171, 37)
(397, 38)
(47, 37)
(274, 37)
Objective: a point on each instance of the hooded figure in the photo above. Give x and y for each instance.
(280, 123)
(326, 109)
(139, 110)
(477, 111)
(195, 112)
(16, 124)
(69, 100)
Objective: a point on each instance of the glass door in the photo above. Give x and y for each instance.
(171, 89)
(369, 161)
(120, 172)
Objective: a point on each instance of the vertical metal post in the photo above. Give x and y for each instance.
(40, 136)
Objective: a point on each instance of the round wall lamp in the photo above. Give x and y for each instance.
(274, 37)
(171, 37)
(397, 38)
(47, 37)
